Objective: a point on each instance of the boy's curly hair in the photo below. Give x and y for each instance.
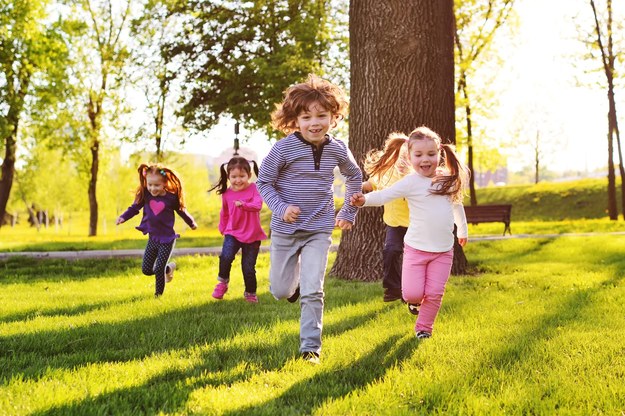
(299, 97)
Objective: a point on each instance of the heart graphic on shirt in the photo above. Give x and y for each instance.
(157, 206)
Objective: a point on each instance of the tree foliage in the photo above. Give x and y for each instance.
(238, 57)
(477, 21)
(33, 67)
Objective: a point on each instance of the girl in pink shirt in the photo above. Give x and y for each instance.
(239, 223)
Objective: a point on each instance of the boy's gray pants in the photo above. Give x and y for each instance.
(301, 258)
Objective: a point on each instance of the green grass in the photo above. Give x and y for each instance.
(536, 329)
(552, 201)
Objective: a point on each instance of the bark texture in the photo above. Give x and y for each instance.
(402, 77)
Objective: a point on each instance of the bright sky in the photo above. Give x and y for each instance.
(538, 93)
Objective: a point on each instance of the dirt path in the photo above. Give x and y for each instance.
(215, 251)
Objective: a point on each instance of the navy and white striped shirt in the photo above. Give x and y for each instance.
(295, 172)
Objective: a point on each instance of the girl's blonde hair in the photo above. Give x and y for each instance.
(381, 163)
(173, 183)
(299, 97)
(453, 179)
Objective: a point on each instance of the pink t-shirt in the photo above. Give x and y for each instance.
(243, 223)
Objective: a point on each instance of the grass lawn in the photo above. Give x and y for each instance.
(125, 236)
(537, 329)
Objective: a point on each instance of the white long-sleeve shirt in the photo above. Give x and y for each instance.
(432, 217)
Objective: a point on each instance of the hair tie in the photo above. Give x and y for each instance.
(144, 172)
(162, 172)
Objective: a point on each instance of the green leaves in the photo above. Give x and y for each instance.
(238, 57)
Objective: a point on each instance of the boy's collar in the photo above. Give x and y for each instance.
(327, 140)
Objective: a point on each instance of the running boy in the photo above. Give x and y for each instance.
(296, 181)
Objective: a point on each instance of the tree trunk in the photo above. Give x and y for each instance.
(94, 111)
(93, 182)
(612, 206)
(467, 110)
(8, 170)
(10, 144)
(402, 77)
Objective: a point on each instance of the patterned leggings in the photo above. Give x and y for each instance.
(155, 261)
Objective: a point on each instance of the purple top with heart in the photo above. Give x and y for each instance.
(158, 216)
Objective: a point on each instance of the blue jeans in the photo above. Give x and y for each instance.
(229, 250)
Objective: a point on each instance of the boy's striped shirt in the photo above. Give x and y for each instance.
(295, 172)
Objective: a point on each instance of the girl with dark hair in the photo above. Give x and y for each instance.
(239, 223)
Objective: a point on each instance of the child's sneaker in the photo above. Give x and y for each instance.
(169, 272)
(294, 297)
(250, 297)
(220, 290)
(423, 335)
(311, 356)
(414, 308)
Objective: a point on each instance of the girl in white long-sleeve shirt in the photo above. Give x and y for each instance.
(434, 198)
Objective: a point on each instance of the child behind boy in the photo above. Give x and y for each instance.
(296, 182)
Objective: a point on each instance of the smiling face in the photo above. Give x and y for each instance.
(239, 179)
(314, 123)
(424, 157)
(155, 183)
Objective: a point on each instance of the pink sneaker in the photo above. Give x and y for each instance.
(220, 290)
(250, 297)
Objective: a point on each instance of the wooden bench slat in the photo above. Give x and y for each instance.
(489, 213)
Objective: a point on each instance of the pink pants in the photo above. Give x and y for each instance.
(423, 280)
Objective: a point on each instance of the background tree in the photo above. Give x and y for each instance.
(33, 61)
(402, 76)
(603, 44)
(100, 57)
(239, 57)
(477, 21)
(153, 72)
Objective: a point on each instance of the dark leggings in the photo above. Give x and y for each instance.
(155, 261)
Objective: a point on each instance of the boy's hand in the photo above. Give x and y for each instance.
(343, 225)
(119, 221)
(367, 187)
(291, 214)
(357, 199)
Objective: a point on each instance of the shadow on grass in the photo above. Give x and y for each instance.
(32, 270)
(134, 339)
(520, 347)
(67, 311)
(220, 365)
(306, 396)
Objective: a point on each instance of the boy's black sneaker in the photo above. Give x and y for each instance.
(294, 297)
(311, 357)
(391, 295)
(414, 308)
(423, 335)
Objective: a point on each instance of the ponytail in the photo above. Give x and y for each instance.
(223, 180)
(378, 163)
(453, 183)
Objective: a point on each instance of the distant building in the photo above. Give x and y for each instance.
(498, 177)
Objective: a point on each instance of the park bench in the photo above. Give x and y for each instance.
(489, 213)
